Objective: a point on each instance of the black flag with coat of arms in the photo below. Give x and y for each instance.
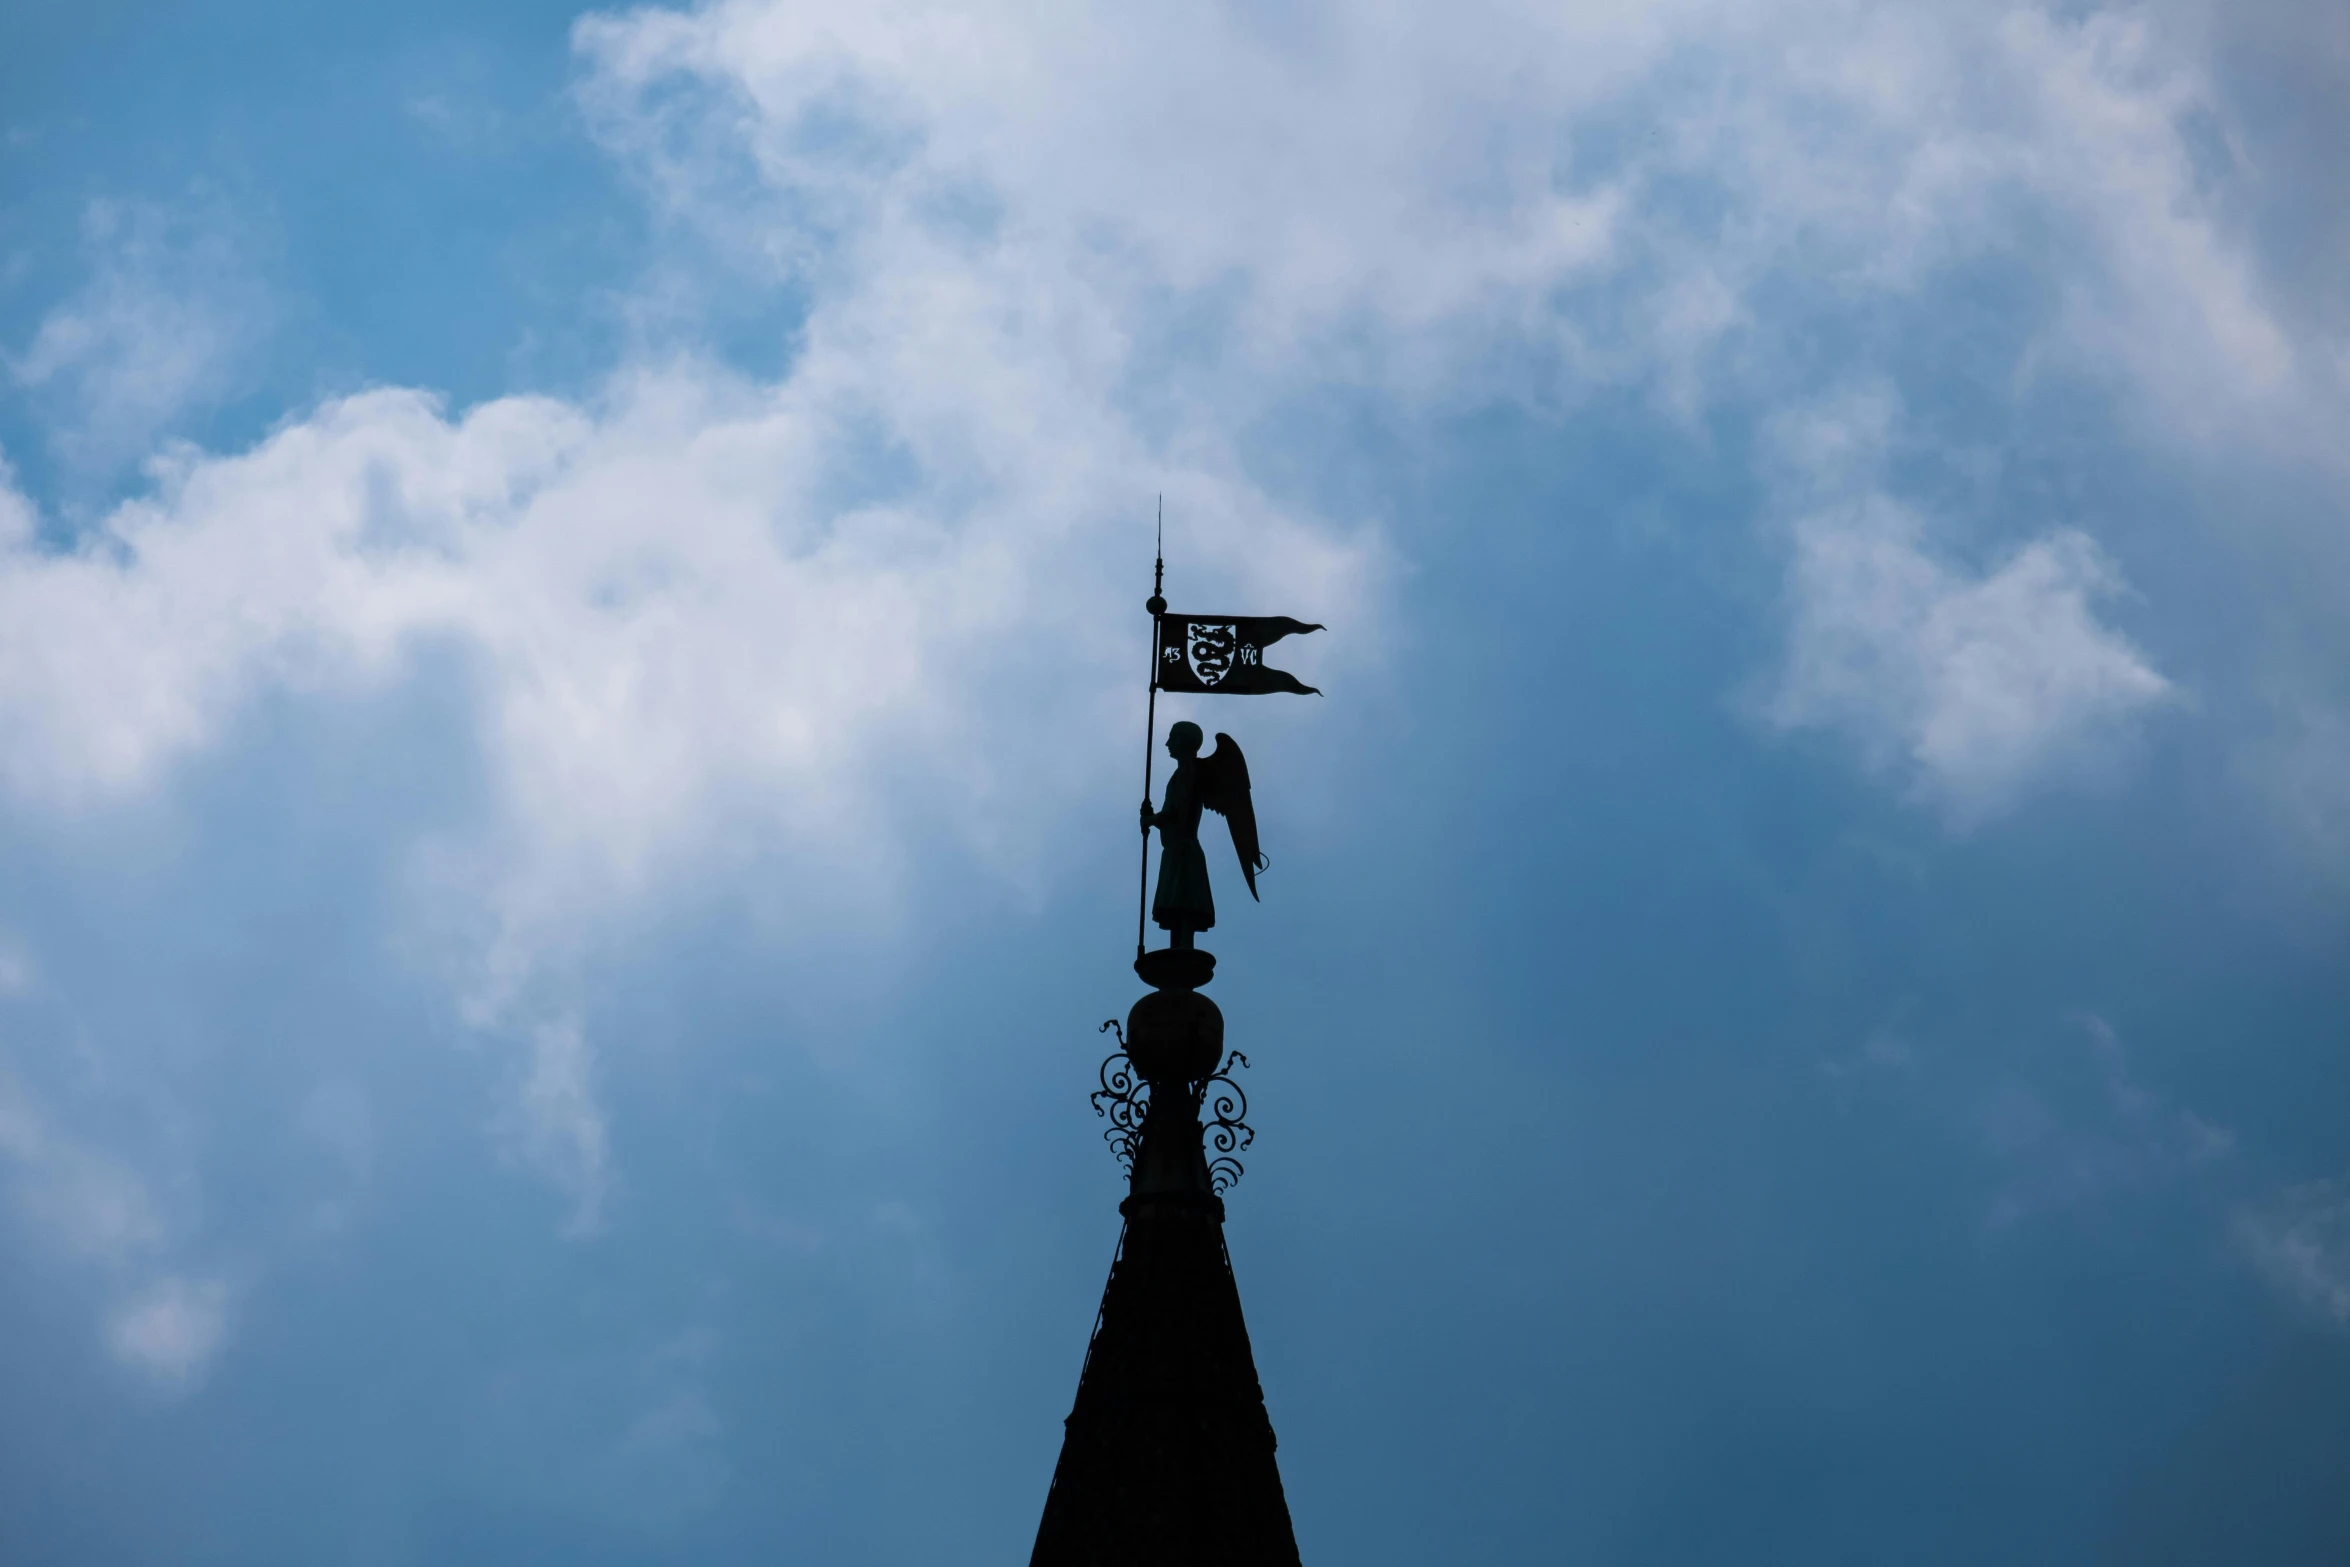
(1223, 655)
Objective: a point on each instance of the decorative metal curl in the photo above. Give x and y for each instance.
(1124, 1097)
(1228, 1131)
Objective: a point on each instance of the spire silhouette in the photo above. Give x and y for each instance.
(1168, 1452)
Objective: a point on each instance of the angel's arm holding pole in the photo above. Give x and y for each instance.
(1150, 724)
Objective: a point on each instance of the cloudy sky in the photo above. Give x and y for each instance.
(570, 710)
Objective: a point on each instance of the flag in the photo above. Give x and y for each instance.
(1223, 655)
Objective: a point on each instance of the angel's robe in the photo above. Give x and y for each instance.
(1183, 901)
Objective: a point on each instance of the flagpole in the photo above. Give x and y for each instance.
(1150, 724)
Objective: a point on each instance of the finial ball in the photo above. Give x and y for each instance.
(1175, 1036)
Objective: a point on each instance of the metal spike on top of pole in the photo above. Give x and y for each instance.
(1157, 605)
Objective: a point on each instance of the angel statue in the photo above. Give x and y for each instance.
(1219, 782)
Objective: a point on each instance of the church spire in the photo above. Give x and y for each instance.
(1168, 1453)
(1167, 1459)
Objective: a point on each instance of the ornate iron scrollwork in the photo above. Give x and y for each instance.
(1124, 1097)
(1228, 1131)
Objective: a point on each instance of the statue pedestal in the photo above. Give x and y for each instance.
(1176, 968)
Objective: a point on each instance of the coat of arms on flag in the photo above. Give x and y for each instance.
(1223, 655)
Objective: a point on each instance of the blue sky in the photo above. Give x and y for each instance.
(569, 653)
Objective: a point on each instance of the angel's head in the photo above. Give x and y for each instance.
(1183, 740)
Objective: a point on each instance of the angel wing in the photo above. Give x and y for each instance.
(1224, 790)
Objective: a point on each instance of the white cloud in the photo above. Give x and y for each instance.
(1969, 685)
(1053, 263)
(2300, 1242)
(1379, 170)
(2298, 771)
(171, 1330)
(2174, 306)
(1401, 168)
(92, 1204)
(160, 326)
(700, 589)
(672, 621)
(1973, 685)
(98, 1210)
(1885, 143)
(562, 1127)
(2071, 1145)
(19, 520)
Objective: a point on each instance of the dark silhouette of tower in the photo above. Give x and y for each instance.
(1168, 1456)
